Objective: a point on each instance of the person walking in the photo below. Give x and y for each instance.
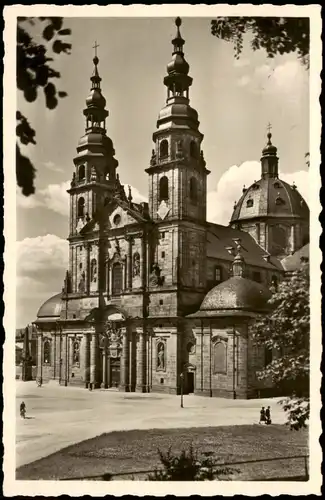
(22, 409)
(262, 416)
(268, 416)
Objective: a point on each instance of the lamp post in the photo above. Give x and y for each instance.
(182, 382)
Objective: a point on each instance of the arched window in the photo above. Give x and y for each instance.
(193, 149)
(93, 270)
(76, 353)
(81, 173)
(217, 275)
(117, 279)
(163, 189)
(81, 207)
(249, 203)
(219, 358)
(193, 190)
(163, 151)
(47, 352)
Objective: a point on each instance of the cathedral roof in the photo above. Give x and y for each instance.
(220, 239)
(270, 197)
(51, 307)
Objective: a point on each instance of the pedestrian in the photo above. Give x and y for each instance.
(262, 415)
(22, 409)
(268, 416)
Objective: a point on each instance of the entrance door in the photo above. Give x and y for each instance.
(190, 382)
(115, 372)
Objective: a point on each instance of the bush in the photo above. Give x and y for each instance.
(188, 466)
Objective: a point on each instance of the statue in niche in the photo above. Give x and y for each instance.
(153, 160)
(155, 278)
(76, 353)
(82, 282)
(161, 356)
(73, 182)
(93, 271)
(136, 264)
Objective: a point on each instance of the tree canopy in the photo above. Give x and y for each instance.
(286, 331)
(276, 35)
(35, 73)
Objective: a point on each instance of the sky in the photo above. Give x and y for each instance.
(235, 100)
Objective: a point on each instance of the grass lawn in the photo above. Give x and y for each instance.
(137, 450)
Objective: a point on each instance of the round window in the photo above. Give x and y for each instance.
(117, 219)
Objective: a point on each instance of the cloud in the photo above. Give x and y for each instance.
(220, 202)
(50, 165)
(243, 81)
(241, 63)
(43, 253)
(284, 79)
(41, 265)
(54, 197)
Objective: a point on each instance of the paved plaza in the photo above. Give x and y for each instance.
(61, 416)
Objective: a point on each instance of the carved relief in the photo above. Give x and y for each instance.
(76, 353)
(114, 336)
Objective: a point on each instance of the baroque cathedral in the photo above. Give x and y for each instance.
(156, 298)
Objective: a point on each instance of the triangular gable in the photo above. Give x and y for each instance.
(116, 205)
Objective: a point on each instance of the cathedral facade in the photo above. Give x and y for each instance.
(156, 298)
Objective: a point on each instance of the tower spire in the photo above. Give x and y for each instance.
(269, 159)
(177, 81)
(95, 112)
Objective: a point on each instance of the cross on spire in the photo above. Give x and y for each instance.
(269, 127)
(95, 47)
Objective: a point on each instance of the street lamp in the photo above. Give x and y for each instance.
(182, 382)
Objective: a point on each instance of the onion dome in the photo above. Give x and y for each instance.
(269, 149)
(51, 308)
(95, 112)
(178, 81)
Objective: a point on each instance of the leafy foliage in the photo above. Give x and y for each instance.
(188, 466)
(276, 35)
(34, 73)
(286, 330)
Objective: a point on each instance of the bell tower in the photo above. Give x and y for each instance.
(177, 173)
(177, 189)
(94, 183)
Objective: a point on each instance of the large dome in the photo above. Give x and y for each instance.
(51, 307)
(270, 197)
(236, 293)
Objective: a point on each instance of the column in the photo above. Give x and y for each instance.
(292, 239)
(130, 242)
(86, 363)
(104, 381)
(94, 349)
(141, 363)
(71, 341)
(125, 361)
(108, 361)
